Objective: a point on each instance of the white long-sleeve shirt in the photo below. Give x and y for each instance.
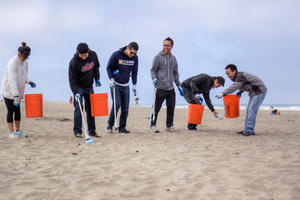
(15, 78)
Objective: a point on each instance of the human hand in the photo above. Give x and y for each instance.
(32, 84)
(16, 101)
(134, 90)
(181, 92)
(98, 83)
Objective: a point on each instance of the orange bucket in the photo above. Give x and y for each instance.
(195, 113)
(232, 106)
(34, 105)
(99, 104)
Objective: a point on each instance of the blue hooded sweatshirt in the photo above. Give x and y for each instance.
(124, 66)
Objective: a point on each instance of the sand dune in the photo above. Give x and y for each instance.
(212, 163)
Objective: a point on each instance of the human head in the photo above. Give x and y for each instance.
(23, 51)
(132, 49)
(83, 50)
(231, 71)
(218, 82)
(168, 45)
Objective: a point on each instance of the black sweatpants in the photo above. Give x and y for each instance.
(11, 110)
(160, 96)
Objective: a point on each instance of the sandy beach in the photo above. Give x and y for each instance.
(212, 163)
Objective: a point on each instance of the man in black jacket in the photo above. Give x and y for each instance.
(197, 85)
(83, 70)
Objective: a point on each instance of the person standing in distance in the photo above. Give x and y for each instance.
(83, 70)
(164, 72)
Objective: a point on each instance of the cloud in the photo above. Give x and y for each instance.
(261, 36)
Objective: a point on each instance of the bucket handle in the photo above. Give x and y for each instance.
(28, 88)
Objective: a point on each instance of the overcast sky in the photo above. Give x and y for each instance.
(260, 37)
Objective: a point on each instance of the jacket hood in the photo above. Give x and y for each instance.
(162, 53)
(121, 50)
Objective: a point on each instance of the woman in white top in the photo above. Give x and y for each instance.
(13, 86)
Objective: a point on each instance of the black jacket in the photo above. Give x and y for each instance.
(200, 84)
(127, 66)
(83, 72)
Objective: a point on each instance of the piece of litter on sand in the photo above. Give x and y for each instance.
(89, 140)
(74, 153)
(218, 116)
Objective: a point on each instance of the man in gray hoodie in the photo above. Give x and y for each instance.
(257, 91)
(164, 72)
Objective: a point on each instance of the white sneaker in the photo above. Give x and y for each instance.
(154, 129)
(21, 133)
(170, 129)
(13, 134)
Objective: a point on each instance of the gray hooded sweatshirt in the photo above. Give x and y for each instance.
(165, 70)
(246, 82)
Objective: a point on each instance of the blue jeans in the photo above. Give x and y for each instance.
(252, 109)
(84, 94)
(122, 100)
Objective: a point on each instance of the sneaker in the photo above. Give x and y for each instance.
(154, 129)
(123, 130)
(170, 129)
(13, 134)
(240, 132)
(78, 135)
(95, 135)
(109, 129)
(248, 134)
(21, 133)
(192, 129)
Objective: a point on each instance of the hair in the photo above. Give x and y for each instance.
(232, 67)
(133, 45)
(169, 39)
(221, 80)
(82, 48)
(24, 50)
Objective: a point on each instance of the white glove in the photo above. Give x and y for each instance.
(112, 82)
(220, 95)
(16, 101)
(134, 90)
(77, 97)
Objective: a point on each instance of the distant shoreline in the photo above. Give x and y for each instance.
(289, 107)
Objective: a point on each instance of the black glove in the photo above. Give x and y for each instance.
(239, 94)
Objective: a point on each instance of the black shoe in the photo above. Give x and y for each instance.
(240, 132)
(78, 135)
(192, 129)
(248, 134)
(109, 129)
(95, 135)
(123, 130)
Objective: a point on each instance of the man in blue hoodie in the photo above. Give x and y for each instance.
(83, 70)
(121, 65)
